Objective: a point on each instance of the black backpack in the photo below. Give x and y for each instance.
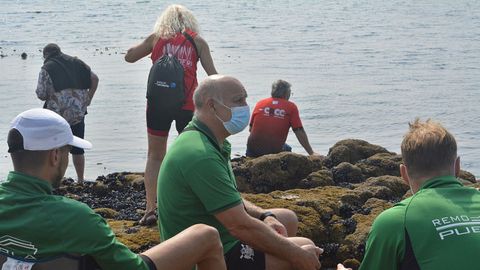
(165, 87)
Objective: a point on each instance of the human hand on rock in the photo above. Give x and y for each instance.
(276, 225)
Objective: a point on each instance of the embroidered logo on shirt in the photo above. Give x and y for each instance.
(10, 245)
(452, 226)
(247, 252)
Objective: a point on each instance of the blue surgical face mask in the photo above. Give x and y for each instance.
(239, 120)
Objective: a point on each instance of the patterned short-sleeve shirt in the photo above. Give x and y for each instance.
(69, 103)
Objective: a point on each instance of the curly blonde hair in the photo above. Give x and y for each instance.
(175, 19)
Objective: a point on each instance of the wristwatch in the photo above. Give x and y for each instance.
(266, 214)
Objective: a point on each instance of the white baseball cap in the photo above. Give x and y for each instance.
(43, 129)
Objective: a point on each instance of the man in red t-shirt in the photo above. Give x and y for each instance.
(271, 120)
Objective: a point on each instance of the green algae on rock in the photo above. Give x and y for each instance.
(273, 172)
(106, 212)
(135, 237)
(351, 151)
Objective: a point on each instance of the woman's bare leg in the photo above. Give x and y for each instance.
(157, 146)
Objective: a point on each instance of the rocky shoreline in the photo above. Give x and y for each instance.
(336, 198)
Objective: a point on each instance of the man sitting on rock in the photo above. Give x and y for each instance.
(196, 184)
(38, 229)
(437, 227)
(271, 120)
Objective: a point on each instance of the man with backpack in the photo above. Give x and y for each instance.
(67, 86)
(175, 49)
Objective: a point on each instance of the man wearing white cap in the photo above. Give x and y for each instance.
(49, 231)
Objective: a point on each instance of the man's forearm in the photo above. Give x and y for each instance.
(253, 210)
(303, 139)
(93, 86)
(91, 93)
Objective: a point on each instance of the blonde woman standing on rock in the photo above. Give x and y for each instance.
(171, 35)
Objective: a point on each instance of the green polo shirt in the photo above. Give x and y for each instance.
(36, 225)
(196, 182)
(437, 228)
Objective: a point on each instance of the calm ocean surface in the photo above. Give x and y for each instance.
(359, 69)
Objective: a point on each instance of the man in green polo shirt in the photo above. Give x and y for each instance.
(41, 229)
(439, 226)
(196, 185)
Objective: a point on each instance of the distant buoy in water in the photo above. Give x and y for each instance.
(24, 55)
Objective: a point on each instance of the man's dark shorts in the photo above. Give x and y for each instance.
(159, 121)
(285, 148)
(242, 257)
(79, 131)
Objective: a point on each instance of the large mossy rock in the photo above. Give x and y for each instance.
(351, 151)
(273, 172)
(319, 178)
(346, 172)
(383, 187)
(380, 164)
(349, 161)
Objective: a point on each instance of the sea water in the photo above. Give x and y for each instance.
(358, 69)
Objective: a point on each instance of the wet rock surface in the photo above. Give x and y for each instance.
(123, 193)
(336, 198)
(351, 151)
(272, 172)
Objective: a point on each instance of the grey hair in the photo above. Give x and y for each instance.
(280, 89)
(175, 19)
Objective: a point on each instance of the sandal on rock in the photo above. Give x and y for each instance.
(150, 218)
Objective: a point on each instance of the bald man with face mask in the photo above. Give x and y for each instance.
(196, 185)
